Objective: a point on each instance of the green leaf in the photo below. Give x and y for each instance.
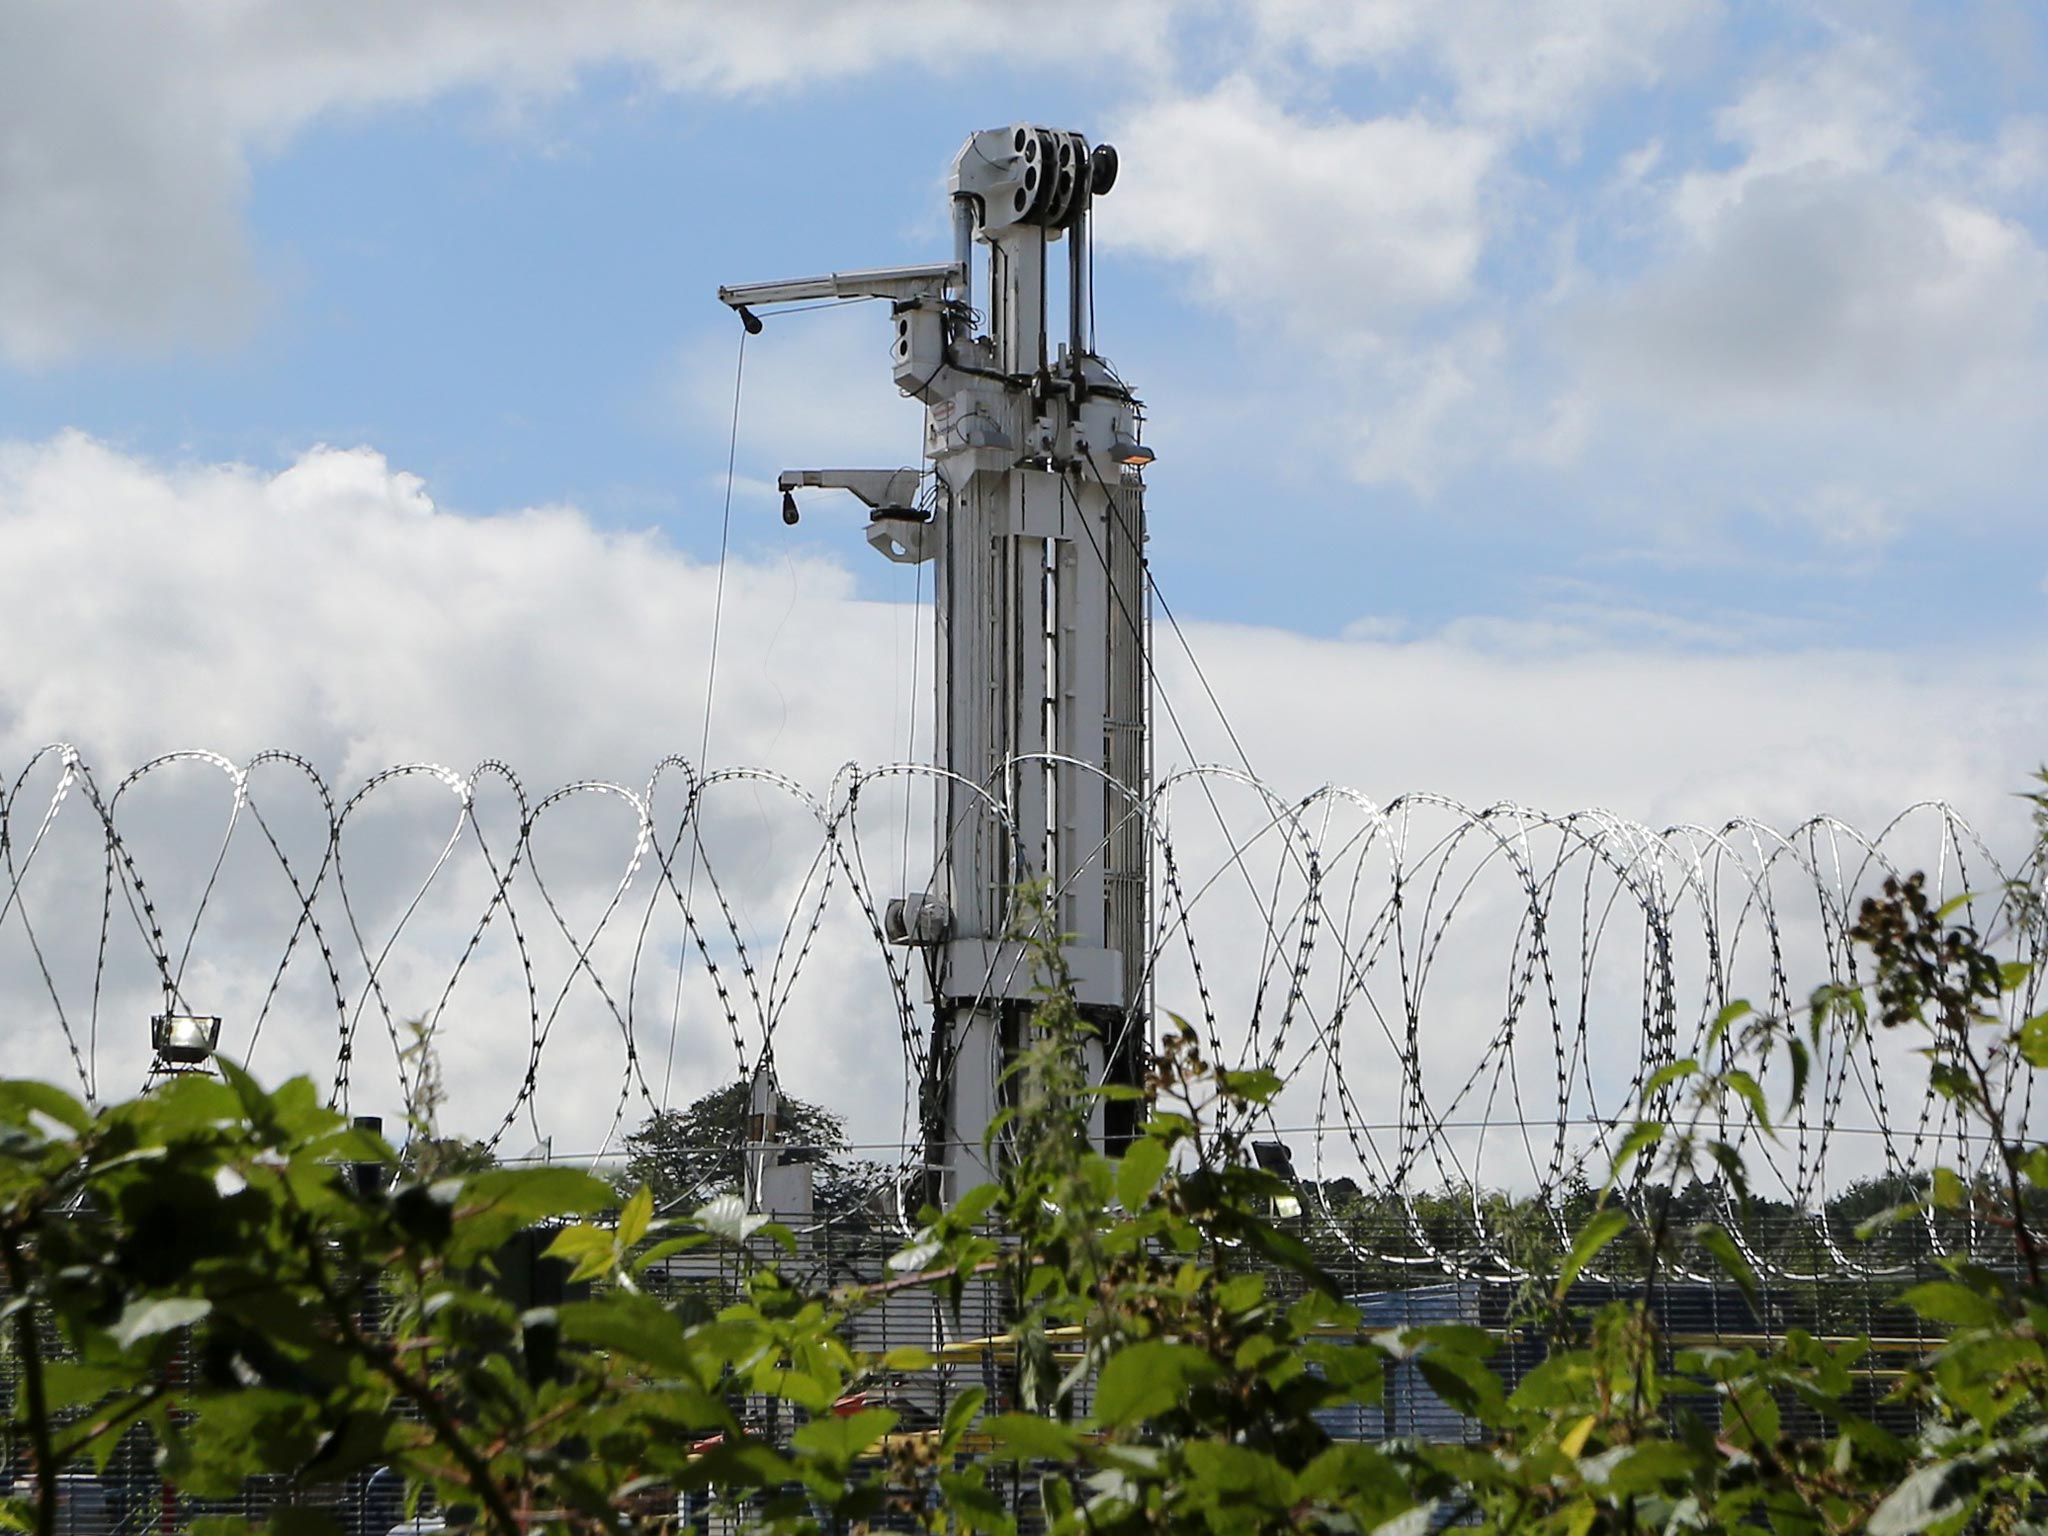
(667, 1248)
(19, 1099)
(837, 1439)
(1145, 1379)
(68, 1384)
(1647, 1466)
(637, 1217)
(1057, 1499)
(636, 1327)
(1944, 1301)
(1289, 1252)
(1728, 1018)
(1602, 1228)
(1948, 1192)
(143, 1319)
(1716, 1240)
(1751, 1093)
(2033, 1040)
(959, 1414)
(1802, 1065)
(1117, 1093)
(590, 1249)
(1461, 1380)
(1349, 1468)
(1665, 1076)
(1255, 1085)
(1644, 1135)
(1027, 1437)
(533, 1194)
(972, 1503)
(1137, 1175)
(915, 1257)
(972, 1206)
(1240, 1474)
(2034, 1167)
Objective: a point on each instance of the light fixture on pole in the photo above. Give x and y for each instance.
(1276, 1158)
(184, 1041)
(1126, 449)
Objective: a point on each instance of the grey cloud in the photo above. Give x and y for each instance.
(1813, 287)
(120, 187)
(1527, 65)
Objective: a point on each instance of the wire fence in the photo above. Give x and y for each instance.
(1465, 1007)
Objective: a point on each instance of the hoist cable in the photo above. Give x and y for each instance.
(732, 449)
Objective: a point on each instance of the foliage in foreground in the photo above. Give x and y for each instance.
(210, 1261)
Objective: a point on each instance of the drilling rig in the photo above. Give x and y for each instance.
(1032, 516)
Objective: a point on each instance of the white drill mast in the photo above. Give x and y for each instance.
(1035, 527)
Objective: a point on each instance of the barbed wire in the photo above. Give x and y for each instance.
(1456, 999)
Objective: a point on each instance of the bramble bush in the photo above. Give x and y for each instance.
(218, 1264)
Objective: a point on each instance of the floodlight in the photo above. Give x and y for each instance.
(184, 1039)
(1276, 1158)
(1126, 449)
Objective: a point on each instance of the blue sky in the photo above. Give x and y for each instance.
(1509, 389)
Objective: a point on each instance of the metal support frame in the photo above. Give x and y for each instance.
(1035, 525)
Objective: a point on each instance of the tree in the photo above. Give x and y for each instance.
(439, 1157)
(690, 1154)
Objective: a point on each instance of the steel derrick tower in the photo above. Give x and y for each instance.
(1034, 524)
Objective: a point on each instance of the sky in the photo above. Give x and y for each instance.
(1634, 403)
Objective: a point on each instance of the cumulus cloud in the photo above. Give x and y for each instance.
(815, 392)
(333, 604)
(131, 133)
(1839, 263)
(1338, 226)
(1825, 287)
(333, 608)
(1532, 65)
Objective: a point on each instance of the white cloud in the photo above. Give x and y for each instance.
(1839, 263)
(131, 132)
(1340, 228)
(1822, 288)
(120, 191)
(1521, 64)
(816, 392)
(333, 608)
(1419, 432)
(333, 604)
(1592, 709)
